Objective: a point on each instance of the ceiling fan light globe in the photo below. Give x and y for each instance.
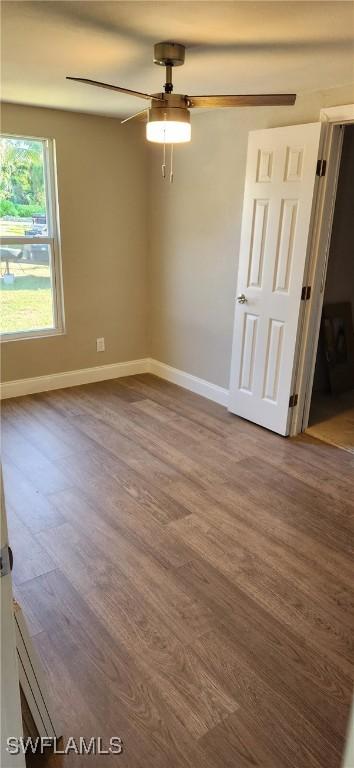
(168, 131)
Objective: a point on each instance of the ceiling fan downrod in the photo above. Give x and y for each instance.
(168, 87)
(169, 55)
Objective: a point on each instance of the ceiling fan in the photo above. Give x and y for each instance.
(168, 116)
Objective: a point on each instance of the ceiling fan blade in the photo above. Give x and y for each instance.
(251, 100)
(137, 115)
(113, 88)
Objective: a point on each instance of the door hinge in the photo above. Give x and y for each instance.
(293, 401)
(306, 292)
(321, 167)
(6, 560)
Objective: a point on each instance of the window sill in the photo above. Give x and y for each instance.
(31, 335)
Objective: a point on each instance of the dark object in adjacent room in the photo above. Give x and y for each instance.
(338, 339)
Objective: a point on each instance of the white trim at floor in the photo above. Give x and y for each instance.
(114, 371)
(73, 378)
(188, 381)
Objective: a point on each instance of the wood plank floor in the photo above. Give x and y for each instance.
(186, 575)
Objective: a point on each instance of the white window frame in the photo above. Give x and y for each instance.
(52, 239)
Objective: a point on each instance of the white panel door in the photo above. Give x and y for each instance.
(11, 719)
(279, 189)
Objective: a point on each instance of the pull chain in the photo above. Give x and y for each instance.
(164, 161)
(171, 167)
(163, 167)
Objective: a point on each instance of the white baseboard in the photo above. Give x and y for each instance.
(115, 371)
(188, 381)
(73, 378)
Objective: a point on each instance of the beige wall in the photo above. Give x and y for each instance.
(195, 231)
(102, 177)
(115, 211)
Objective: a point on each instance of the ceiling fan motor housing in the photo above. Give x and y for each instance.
(169, 54)
(172, 107)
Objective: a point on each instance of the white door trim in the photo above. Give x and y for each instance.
(343, 114)
(333, 118)
(11, 716)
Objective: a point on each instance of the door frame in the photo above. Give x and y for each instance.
(334, 120)
(11, 715)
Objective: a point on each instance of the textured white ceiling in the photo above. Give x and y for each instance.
(232, 47)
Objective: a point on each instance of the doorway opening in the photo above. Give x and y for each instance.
(331, 416)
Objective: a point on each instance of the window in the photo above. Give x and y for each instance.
(30, 282)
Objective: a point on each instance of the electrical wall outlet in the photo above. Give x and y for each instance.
(100, 344)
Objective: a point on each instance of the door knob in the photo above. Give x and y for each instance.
(241, 299)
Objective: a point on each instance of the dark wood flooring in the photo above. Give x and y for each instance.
(186, 575)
